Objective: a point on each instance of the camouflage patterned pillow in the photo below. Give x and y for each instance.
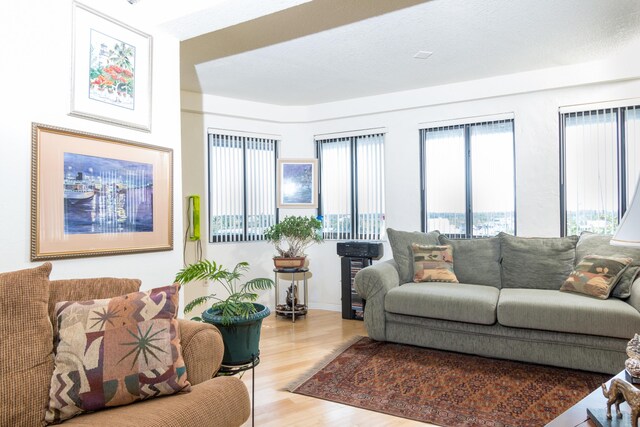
(433, 263)
(112, 352)
(596, 275)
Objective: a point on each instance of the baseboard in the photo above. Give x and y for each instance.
(329, 307)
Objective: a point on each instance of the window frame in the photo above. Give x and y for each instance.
(466, 126)
(243, 136)
(353, 161)
(620, 114)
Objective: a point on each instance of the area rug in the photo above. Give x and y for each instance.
(444, 388)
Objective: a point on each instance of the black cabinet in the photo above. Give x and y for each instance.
(352, 303)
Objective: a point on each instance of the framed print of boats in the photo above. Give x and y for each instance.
(94, 195)
(111, 75)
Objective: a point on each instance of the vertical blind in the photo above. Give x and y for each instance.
(242, 201)
(369, 192)
(601, 160)
(352, 187)
(468, 178)
(632, 150)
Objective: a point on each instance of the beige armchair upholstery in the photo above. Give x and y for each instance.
(24, 390)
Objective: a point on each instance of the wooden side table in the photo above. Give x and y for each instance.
(295, 308)
(577, 414)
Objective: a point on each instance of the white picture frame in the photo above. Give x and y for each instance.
(297, 183)
(111, 70)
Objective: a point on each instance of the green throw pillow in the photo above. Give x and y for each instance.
(400, 242)
(477, 260)
(536, 262)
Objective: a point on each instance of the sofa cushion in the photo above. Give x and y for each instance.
(112, 352)
(433, 263)
(476, 260)
(598, 244)
(401, 241)
(458, 302)
(88, 289)
(536, 262)
(595, 275)
(567, 312)
(26, 362)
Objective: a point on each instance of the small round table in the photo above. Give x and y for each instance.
(293, 307)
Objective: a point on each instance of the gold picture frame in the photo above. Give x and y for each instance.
(297, 183)
(94, 195)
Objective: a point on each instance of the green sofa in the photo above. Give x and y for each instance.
(507, 304)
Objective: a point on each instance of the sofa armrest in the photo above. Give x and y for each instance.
(634, 298)
(372, 283)
(202, 349)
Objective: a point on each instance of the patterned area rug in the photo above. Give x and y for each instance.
(444, 388)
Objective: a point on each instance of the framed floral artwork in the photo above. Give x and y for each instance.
(297, 183)
(94, 195)
(111, 73)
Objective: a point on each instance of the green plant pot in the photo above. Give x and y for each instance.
(241, 337)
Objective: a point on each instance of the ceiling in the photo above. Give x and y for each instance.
(311, 52)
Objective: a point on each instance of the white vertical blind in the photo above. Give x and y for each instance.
(492, 178)
(469, 168)
(260, 177)
(352, 187)
(632, 148)
(445, 179)
(591, 171)
(336, 183)
(370, 190)
(241, 187)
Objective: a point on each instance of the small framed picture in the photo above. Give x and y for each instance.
(94, 195)
(111, 74)
(297, 183)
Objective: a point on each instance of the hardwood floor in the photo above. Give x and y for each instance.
(287, 350)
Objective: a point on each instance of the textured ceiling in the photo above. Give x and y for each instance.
(329, 50)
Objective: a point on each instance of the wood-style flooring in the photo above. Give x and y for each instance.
(287, 350)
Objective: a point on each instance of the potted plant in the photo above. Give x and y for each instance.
(291, 237)
(237, 316)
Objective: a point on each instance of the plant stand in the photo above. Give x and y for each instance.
(293, 306)
(227, 370)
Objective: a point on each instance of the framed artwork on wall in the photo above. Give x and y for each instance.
(297, 183)
(111, 71)
(94, 195)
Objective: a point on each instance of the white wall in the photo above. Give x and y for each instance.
(35, 75)
(533, 97)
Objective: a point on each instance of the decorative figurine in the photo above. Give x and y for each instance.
(621, 391)
(292, 296)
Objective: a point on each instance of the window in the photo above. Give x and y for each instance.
(242, 187)
(600, 161)
(352, 186)
(468, 179)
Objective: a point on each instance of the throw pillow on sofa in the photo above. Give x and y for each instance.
(26, 361)
(536, 262)
(477, 260)
(598, 244)
(401, 241)
(112, 352)
(433, 263)
(595, 275)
